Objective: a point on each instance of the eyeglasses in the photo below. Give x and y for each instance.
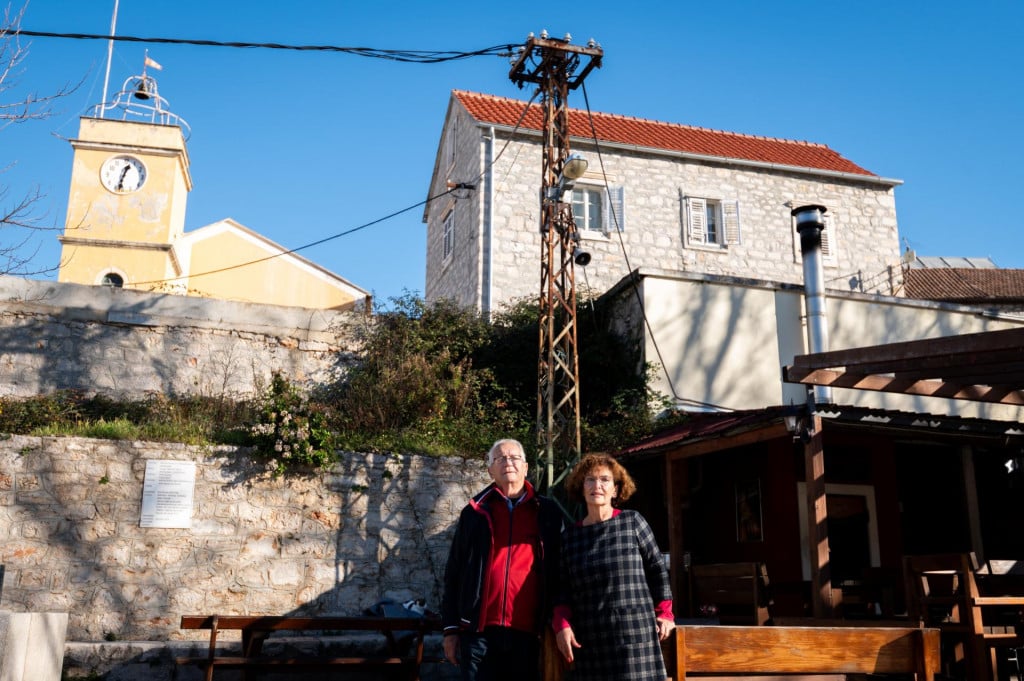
(513, 459)
(603, 480)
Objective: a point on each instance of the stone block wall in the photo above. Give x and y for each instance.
(130, 344)
(376, 526)
(863, 231)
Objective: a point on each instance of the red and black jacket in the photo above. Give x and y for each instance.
(469, 572)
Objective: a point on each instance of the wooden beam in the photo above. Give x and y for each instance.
(892, 384)
(817, 518)
(770, 432)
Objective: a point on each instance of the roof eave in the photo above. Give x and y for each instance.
(707, 158)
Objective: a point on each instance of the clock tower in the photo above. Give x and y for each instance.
(129, 187)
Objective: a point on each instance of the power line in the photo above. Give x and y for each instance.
(301, 248)
(410, 56)
(629, 268)
(454, 188)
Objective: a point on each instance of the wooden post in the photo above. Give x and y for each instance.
(817, 518)
(676, 489)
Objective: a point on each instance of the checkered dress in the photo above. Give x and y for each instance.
(612, 576)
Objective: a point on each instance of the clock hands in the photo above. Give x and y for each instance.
(124, 173)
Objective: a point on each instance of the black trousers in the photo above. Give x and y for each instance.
(500, 654)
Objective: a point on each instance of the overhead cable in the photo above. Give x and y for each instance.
(633, 280)
(413, 56)
(452, 188)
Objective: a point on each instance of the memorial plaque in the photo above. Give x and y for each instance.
(167, 494)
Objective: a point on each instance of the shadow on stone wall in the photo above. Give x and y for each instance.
(375, 527)
(131, 344)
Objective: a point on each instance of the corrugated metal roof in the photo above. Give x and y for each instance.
(708, 426)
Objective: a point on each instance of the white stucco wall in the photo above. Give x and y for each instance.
(724, 342)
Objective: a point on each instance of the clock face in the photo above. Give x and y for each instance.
(123, 174)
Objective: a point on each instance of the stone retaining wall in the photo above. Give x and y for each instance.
(376, 526)
(130, 344)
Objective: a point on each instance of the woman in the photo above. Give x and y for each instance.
(615, 605)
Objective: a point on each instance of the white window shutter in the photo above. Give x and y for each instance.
(696, 210)
(827, 237)
(615, 209)
(731, 218)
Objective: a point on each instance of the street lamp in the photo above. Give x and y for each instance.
(573, 168)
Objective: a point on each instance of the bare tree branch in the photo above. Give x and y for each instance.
(21, 220)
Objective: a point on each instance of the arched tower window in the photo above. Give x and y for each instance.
(112, 279)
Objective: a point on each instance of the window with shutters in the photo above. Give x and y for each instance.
(712, 223)
(828, 239)
(449, 235)
(828, 250)
(597, 210)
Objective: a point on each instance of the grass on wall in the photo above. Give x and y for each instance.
(432, 379)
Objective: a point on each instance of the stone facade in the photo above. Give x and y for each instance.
(375, 526)
(497, 243)
(130, 344)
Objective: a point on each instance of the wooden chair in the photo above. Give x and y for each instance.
(738, 591)
(873, 596)
(942, 592)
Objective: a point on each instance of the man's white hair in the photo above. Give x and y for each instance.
(516, 444)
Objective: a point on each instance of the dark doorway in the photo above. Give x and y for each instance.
(932, 502)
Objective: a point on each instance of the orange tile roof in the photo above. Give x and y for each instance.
(964, 285)
(667, 136)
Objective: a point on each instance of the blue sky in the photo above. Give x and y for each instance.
(300, 146)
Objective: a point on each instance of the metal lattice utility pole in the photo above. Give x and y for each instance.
(557, 67)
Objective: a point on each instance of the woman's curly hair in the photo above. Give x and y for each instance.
(624, 485)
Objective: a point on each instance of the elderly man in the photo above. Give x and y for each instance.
(501, 574)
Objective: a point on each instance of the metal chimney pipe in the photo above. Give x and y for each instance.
(810, 221)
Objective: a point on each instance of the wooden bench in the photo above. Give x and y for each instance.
(724, 650)
(256, 628)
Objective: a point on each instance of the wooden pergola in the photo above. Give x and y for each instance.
(983, 367)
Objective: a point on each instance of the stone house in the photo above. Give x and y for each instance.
(664, 196)
(693, 246)
(714, 297)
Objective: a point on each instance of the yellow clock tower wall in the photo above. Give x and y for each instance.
(126, 207)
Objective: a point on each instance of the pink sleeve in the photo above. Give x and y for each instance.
(663, 611)
(560, 617)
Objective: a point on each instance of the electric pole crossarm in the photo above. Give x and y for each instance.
(557, 67)
(553, 52)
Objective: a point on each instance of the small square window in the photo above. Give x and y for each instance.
(587, 209)
(712, 222)
(598, 209)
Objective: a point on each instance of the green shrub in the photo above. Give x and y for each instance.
(290, 433)
(25, 415)
(435, 379)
